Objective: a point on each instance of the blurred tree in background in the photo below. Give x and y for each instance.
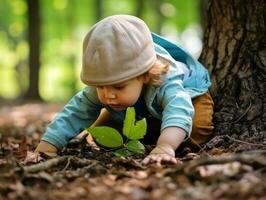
(34, 41)
(41, 40)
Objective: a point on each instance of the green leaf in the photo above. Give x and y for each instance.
(131, 130)
(139, 130)
(122, 152)
(106, 136)
(129, 122)
(135, 146)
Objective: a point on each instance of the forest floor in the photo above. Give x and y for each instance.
(225, 168)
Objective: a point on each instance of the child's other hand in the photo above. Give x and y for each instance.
(43, 151)
(160, 154)
(32, 157)
(36, 157)
(47, 149)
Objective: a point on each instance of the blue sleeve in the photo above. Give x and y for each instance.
(177, 106)
(79, 113)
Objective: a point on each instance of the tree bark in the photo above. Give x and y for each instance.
(34, 49)
(234, 52)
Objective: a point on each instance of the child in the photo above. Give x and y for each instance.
(125, 65)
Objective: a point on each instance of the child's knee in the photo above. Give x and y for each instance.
(201, 133)
(202, 128)
(202, 121)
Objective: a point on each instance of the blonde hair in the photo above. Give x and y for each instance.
(158, 71)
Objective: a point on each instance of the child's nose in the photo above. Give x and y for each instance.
(109, 94)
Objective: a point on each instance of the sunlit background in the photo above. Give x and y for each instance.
(63, 27)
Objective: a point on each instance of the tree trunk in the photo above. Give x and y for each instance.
(34, 49)
(71, 58)
(98, 10)
(140, 8)
(159, 17)
(234, 52)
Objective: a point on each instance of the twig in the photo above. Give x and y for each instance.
(201, 149)
(188, 167)
(243, 142)
(68, 163)
(57, 161)
(246, 111)
(212, 143)
(88, 167)
(78, 162)
(247, 159)
(257, 151)
(45, 165)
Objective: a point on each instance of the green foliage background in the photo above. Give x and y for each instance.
(63, 26)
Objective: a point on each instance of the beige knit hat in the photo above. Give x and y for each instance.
(116, 49)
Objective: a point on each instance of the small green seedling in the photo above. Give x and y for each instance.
(133, 131)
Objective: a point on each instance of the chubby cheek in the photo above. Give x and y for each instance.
(101, 97)
(130, 99)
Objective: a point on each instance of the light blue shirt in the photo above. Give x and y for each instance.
(170, 102)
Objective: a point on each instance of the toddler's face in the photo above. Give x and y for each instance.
(121, 96)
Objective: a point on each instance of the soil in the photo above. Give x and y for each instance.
(227, 167)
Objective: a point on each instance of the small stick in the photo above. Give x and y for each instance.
(243, 142)
(56, 161)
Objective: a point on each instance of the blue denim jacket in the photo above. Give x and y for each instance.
(170, 102)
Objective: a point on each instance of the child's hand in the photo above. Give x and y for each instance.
(32, 157)
(43, 151)
(160, 154)
(36, 157)
(47, 149)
